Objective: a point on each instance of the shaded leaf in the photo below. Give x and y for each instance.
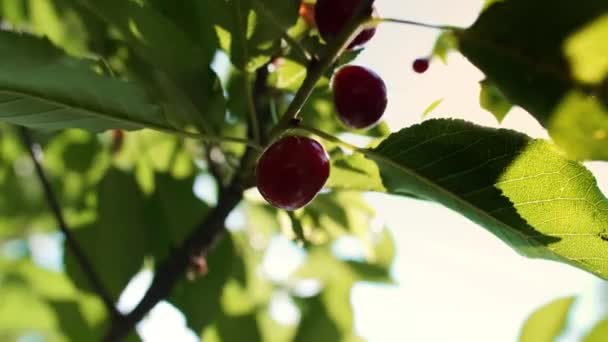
(316, 324)
(536, 64)
(492, 100)
(41, 87)
(117, 242)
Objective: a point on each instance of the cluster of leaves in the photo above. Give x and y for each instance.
(130, 197)
(171, 71)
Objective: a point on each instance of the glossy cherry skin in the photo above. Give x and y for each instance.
(292, 171)
(333, 15)
(421, 65)
(359, 96)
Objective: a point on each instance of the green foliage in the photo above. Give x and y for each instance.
(548, 322)
(556, 72)
(492, 100)
(42, 87)
(76, 68)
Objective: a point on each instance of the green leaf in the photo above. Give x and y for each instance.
(493, 100)
(522, 190)
(149, 32)
(250, 30)
(117, 242)
(41, 87)
(238, 328)
(316, 323)
(172, 211)
(200, 300)
(599, 333)
(180, 75)
(580, 126)
(431, 108)
(354, 172)
(34, 299)
(538, 65)
(547, 323)
(331, 312)
(446, 43)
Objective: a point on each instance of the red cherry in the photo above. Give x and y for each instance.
(359, 96)
(332, 15)
(421, 65)
(292, 171)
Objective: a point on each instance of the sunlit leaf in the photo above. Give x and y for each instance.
(522, 190)
(547, 323)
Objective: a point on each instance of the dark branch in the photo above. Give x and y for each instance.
(71, 242)
(199, 243)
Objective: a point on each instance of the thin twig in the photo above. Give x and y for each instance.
(413, 23)
(203, 238)
(71, 242)
(254, 120)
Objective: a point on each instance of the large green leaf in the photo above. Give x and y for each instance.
(117, 242)
(548, 322)
(42, 87)
(180, 75)
(522, 190)
(540, 53)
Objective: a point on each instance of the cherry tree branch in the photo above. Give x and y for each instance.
(173, 268)
(316, 69)
(169, 272)
(71, 242)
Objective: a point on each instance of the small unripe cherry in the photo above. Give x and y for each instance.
(421, 65)
(307, 13)
(292, 171)
(359, 96)
(332, 16)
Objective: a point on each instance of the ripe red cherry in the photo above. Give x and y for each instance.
(292, 171)
(359, 96)
(421, 65)
(332, 15)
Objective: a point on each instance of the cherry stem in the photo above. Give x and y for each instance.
(253, 114)
(292, 42)
(317, 68)
(211, 138)
(331, 138)
(376, 21)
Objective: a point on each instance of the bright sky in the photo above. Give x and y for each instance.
(456, 282)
